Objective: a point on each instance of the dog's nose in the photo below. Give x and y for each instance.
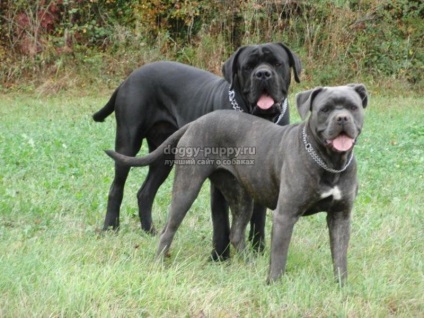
(263, 74)
(342, 119)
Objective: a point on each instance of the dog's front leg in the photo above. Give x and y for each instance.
(257, 227)
(221, 225)
(282, 229)
(339, 228)
(242, 212)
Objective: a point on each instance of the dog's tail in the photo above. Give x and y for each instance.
(107, 109)
(159, 152)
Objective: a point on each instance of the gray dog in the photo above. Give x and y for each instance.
(296, 170)
(159, 98)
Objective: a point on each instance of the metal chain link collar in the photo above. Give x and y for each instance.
(317, 159)
(233, 102)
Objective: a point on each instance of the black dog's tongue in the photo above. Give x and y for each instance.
(265, 102)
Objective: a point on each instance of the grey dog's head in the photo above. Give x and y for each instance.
(261, 74)
(337, 114)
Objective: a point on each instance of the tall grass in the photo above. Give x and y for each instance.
(54, 262)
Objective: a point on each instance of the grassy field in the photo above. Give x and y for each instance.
(54, 262)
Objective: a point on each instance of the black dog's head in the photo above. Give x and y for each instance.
(337, 112)
(261, 76)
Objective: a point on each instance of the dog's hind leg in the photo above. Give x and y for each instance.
(127, 143)
(184, 192)
(116, 193)
(157, 174)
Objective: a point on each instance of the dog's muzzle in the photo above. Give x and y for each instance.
(275, 113)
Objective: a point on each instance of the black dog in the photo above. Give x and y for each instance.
(158, 98)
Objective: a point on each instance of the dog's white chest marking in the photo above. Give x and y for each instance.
(334, 192)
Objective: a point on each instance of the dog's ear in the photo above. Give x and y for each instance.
(304, 101)
(294, 62)
(362, 92)
(229, 69)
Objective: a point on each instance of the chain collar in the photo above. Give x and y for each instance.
(317, 159)
(233, 102)
(283, 111)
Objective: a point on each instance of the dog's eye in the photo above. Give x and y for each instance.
(353, 107)
(277, 64)
(325, 109)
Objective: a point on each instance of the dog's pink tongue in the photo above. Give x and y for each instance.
(265, 102)
(343, 143)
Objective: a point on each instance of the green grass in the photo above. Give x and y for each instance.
(54, 180)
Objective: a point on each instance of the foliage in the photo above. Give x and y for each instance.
(337, 40)
(65, 23)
